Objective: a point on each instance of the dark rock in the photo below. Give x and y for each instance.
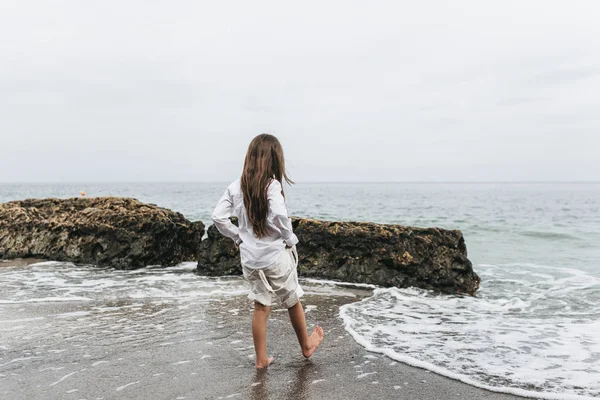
(118, 232)
(385, 255)
(218, 254)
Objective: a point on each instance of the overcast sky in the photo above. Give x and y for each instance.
(355, 90)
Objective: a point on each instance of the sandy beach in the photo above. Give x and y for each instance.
(197, 350)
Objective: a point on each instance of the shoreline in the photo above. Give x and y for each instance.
(191, 349)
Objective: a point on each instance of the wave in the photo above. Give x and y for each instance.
(36, 283)
(453, 375)
(46, 300)
(549, 235)
(527, 333)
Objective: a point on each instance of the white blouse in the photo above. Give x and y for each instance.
(255, 252)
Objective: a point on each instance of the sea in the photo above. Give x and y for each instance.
(532, 329)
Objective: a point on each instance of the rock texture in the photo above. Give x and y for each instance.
(386, 255)
(118, 232)
(218, 255)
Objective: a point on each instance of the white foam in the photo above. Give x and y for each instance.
(521, 340)
(12, 321)
(309, 308)
(99, 362)
(365, 375)
(73, 314)
(46, 300)
(46, 264)
(63, 378)
(184, 266)
(126, 386)
(338, 283)
(65, 282)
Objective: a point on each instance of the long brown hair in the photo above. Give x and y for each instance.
(264, 162)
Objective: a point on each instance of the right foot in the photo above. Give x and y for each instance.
(314, 340)
(264, 364)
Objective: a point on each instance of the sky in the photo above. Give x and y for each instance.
(356, 91)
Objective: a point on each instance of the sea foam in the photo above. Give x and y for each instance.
(530, 336)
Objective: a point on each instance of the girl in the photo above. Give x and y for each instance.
(266, 241)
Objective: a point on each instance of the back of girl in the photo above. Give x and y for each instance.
(267, 242)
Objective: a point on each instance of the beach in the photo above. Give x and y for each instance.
(529, 330)
(193, 348)
(434, 165)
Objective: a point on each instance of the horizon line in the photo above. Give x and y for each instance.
(310, 182)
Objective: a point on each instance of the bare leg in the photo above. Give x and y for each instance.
(259, 334)
(308, 343)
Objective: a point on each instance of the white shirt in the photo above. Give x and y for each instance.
(255, 252)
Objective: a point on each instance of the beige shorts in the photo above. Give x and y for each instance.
(277, 282)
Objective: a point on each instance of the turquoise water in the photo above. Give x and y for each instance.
(533, 326)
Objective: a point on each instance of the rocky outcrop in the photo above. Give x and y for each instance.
(386, 255)
(118, 232)
(218, 255)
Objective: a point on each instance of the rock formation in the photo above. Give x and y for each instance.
(117, 232)
(385, 255)
(125, 233)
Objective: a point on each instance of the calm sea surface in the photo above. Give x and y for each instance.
(534, 326)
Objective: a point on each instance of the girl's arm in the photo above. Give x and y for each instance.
(279, 214)
(221, 215)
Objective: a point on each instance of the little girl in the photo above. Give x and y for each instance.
(266, 241)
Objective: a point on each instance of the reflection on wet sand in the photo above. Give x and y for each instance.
(260, 387)
(304, 372)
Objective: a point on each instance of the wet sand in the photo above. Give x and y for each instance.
(196, 351)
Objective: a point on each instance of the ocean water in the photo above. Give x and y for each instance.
(532, 329)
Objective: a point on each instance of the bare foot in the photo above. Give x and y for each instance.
(314, 340)
(264, 364)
